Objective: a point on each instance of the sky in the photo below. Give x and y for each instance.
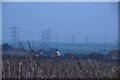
(95, 19)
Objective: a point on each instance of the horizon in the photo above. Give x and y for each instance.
(115, 43)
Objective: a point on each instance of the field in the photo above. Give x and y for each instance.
(23, 63)
(29, 67)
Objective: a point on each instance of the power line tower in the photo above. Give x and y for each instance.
(14, 32)
(73, 39)
(43, 39)
(105, 38)
(87, 39)
(46, 38)
(56, 41)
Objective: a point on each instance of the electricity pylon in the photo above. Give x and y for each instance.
(14, 33)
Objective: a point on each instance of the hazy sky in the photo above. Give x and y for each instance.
(65, 19)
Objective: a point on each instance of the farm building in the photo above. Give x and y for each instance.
(113, 54)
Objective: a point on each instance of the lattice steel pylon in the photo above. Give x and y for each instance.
(46, 38)
(14, 33)
(87, 39)
(73, 39)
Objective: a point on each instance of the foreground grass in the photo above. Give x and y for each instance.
(37, 68)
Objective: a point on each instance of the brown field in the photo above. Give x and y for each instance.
(33, 68)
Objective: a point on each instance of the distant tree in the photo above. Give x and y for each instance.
(95, 55)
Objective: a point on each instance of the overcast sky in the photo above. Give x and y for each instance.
(65, 19)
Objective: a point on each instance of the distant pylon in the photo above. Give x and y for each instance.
(14, 32)
(105, 38)
(73, 39)
(42, 39)
(87, 39)
(56, 40)
(46, 38)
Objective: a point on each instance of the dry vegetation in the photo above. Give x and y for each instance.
(33, 68)
(29, 66)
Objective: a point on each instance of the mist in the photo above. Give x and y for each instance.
(99, 21)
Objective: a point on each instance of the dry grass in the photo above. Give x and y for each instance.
(32, 68)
